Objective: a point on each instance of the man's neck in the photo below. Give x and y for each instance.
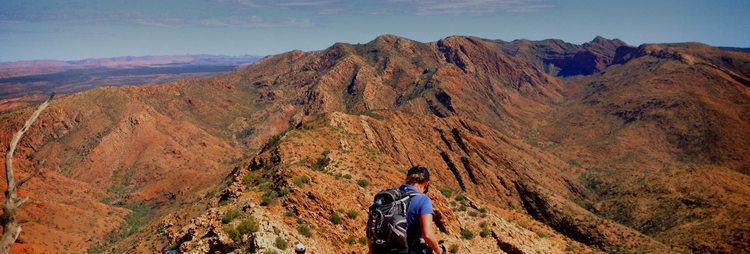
(419, 187)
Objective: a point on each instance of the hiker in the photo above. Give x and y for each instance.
(400, 220)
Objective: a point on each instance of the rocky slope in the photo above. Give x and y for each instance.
(553, 147)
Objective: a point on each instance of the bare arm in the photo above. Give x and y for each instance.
(428, 235)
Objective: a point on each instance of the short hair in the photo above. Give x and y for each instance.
(417, 174)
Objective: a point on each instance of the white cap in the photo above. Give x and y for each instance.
(299, 247)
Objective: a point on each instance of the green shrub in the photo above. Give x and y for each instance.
(362, 240)
(233, 234)
(460, 198)
(270, 252)
(320, 164)
(347, 176)
(304, 230)
(301, 180)
(230, 216)
(251, 178)
(453, 203)
(280, 243)
(483, 210)
(446, 192)
(363, 183)
(541, 234)
(268, 198)
(336, 218)
(467, 234)
(284, 191)
(485, 232)
(462, 208)
(453, 248)
(483, 224)
(352, 214)
(248, 226)
(473, 213)
(351, 240)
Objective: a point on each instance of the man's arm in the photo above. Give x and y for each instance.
(428, 235)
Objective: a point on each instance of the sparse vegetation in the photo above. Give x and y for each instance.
(301, 180)
(274, 141)
(462, 208)
(268, 198)
(347, 176)
(304, 230)
(485, 232)
(467, 234)
(460, 198)
(280, 243)
(541, 234)
(446, 192)
(270, 252)
(453, 248)
(362, 240)
(483, 210)
(352, 214)
(284, 191)
(363, 183)
(336, 218)
(351, 240)
(251, 178)
(473, 213)
(135, 219)
(248, 226)
(233, 234)
(230, 216)
(321, 163)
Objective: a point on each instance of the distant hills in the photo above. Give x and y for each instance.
(25, 82)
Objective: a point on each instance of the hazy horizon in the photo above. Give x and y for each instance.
(79, 29)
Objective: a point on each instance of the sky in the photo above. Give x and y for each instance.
(78, 29)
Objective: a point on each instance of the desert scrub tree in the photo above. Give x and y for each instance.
(11, 229)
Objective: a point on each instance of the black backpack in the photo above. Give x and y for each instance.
(386, 221)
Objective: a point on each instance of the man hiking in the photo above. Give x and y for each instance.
(400, 220)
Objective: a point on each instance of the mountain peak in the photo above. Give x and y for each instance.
(607, 43)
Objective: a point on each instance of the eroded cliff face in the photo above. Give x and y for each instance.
(551, 164)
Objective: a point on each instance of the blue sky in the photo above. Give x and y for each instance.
(76, 29)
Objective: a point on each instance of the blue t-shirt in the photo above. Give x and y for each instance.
(418, 205)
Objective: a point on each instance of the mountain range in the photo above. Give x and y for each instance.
(24, 83)
(534, 146)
